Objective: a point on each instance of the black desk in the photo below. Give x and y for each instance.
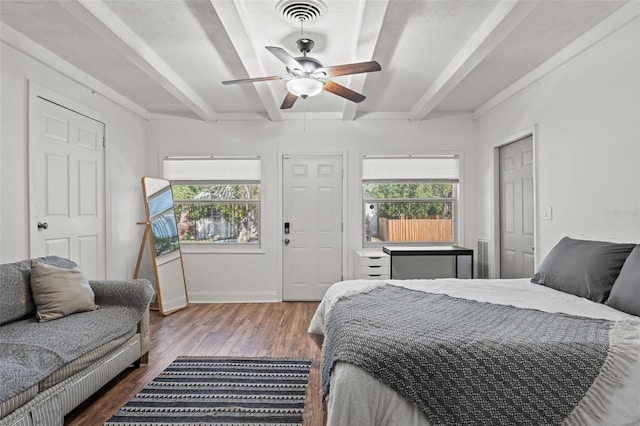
(411, 262)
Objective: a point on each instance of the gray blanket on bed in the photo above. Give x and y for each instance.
(464, 362)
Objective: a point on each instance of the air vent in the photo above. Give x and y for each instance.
(301, 11)
(483, 258)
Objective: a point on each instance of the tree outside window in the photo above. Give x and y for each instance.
(218, 212)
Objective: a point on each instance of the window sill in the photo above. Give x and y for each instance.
(217, 249)
(409, 243)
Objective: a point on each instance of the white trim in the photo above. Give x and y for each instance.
(345, 224)
(450, 115)
(312, 115)
(379, 115)
(521, 134)
(35, 91)
(459, 236)
(494, 263)
(614, 22)
(30, 48)
(496, 247)
(503, 19)
(203, 248)
(459, 201)
(368, 20)
(317, 116)
(218, 248)
(233, 297)
(237, 23)
(113, 30)
(38, 89)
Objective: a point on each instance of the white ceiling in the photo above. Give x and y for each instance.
(169, 57)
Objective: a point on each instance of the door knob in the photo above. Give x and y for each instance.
(42, 226)
(286, 241)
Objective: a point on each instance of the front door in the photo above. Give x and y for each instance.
(312, 225)
(516, 209)
(66, 184)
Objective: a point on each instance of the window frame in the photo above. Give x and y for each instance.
(454, 200)
(222, 246)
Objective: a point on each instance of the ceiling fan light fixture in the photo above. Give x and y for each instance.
(304, 87)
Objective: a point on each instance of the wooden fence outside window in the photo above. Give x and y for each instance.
(402, 230)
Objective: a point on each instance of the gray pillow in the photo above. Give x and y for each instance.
(16, 301)
(582, 267)
(625, 294)
(58, 292)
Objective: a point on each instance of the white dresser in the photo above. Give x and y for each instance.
(372, 265)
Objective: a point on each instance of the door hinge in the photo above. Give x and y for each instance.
(104, 141)
(342, 226)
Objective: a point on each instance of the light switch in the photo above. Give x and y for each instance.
(547, 213)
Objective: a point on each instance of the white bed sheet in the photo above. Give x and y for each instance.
(355, 398)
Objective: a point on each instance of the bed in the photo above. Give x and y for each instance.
(611, 397)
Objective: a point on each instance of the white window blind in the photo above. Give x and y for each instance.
(212, 169)
(441, 168)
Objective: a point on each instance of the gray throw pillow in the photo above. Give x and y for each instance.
(582, 267)
(625, 294)
(16, 301)
(58, 292)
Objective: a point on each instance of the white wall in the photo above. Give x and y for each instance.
(236, 277)
(126, 159)
(586, 115)
(587, 145)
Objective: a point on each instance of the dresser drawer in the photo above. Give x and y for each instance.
(371, 265)
(375, 269)
(374, 277)
(373, 260)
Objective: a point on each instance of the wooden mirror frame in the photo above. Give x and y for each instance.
(161, 229)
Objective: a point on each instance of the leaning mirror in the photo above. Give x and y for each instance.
(161, 230)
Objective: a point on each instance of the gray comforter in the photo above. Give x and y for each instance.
(467, 362)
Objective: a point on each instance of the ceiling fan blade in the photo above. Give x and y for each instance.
(340, 90)
(289, 100)
(287, 59)
(252, 80)
(347, 69)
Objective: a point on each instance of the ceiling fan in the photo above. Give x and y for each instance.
(308, 77)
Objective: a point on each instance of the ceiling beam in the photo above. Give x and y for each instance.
(32, 49)
(368, 31)
(606, 27)
(504, 18)
(235, 18)
(104, 22)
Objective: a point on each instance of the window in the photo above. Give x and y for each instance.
(409, 199)
(217, 200)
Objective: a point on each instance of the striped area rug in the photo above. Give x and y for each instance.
(221, 391)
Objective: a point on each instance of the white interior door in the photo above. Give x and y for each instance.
(312, 228)
(66, 184)
(516, 209)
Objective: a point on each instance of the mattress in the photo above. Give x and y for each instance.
(359, 399)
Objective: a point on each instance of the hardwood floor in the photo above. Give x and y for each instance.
(240, 329)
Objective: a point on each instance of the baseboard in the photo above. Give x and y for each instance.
(233, 297)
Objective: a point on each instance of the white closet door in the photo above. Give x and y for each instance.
(66, 184)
